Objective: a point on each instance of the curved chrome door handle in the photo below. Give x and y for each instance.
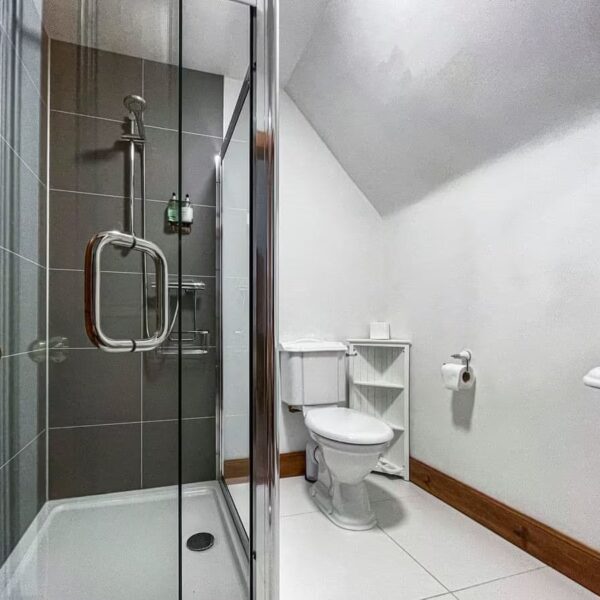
(93, 278)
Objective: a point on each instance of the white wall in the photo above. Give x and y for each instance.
(506, 261)
(330, 249)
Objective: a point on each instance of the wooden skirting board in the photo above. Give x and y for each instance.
(562, 553)
(292, 464)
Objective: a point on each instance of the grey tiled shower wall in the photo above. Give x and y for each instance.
(22, 269)
(113, 417)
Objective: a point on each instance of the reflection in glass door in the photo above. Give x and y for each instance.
(234, 280)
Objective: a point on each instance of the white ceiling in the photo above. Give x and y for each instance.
(409, 95)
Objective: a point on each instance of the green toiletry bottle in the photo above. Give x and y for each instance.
(173, 213)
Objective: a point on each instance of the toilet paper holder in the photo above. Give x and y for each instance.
(464, 355)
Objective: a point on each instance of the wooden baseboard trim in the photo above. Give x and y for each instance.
(291, 464)
(570, 557)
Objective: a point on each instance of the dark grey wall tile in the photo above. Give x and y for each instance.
(160, 389)
(94, 387)
(94, 460)
(93, 82)
(22, 303)
(22, 208)
(120, 300)
(202, 99)
(161, 163)
(160, 450)
(22, 402)
(90, 156)
(198, 247)
(198, 163)
(75, 218)
(22, 494)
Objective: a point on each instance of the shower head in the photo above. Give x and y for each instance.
(136, 106)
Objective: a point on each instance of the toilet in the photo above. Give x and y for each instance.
(347, 443)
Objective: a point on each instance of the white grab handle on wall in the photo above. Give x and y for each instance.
(592, 378)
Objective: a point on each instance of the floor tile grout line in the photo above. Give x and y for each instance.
(308, 512)
(23, 448)
(458, 589)
(117, 197)
(121, 121)
(56, 428)
(37, 264)
(483, 583)
(21, 159)
(448, 590)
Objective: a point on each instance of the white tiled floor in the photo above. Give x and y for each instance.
(422, 548)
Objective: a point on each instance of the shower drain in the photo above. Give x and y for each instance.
(200, 541)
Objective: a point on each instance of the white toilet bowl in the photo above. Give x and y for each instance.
(349, 446)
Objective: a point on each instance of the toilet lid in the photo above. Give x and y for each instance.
(348, 425)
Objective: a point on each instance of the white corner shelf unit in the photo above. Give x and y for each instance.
(379, 385)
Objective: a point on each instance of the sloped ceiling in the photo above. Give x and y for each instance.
(410, 95)
(297, 21)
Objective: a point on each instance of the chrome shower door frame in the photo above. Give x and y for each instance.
(263, 543)
(264, 408)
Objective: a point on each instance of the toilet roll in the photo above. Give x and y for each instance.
(457, 377)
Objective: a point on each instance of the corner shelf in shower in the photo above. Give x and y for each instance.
(379, 386)
(195, 341)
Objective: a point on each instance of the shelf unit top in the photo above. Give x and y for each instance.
(370, 342)
(380, 384)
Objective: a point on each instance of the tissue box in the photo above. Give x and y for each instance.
(379, 330)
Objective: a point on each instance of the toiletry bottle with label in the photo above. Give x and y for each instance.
(187, 215)
(173, 213)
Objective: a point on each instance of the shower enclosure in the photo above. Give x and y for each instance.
(138, 446)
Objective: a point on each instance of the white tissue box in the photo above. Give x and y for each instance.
(379, 330)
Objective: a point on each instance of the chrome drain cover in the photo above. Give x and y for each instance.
(200, 542)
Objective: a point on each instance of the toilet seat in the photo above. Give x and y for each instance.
(348, 426)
